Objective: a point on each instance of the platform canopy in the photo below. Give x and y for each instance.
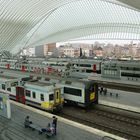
(25, 23)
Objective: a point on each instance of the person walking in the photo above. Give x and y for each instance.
(54, 123)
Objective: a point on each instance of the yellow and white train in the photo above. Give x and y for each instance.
(41, 95)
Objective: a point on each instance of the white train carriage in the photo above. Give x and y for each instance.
(41, 95)
(7, 65)
(6, 82)
(128, 68)
(37, 94)
(88, 64)
(79, 92)
(9, 83)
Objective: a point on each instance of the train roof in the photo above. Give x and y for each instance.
(6, 78)
(38, 83)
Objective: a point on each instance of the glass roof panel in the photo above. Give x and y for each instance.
(82, 18)
(34, 22)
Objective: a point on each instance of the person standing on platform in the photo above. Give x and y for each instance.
(54, 123)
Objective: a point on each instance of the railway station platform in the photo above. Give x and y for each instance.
(123, 81)
(13, 129)
(124, 100)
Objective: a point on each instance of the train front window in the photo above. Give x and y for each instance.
(51, 97)
(42, 97)
(92, 88)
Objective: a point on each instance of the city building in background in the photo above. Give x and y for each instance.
(97, 49)
(102, 50)
(49, 49)
(45, 50)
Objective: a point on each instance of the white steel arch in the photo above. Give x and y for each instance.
(33, 22)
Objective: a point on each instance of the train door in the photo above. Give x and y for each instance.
(20, 96)
(94, 68)
(57, 96)
(8, 66)
(23, 68)
(96, 92)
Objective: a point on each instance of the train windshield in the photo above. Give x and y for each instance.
(90, 86)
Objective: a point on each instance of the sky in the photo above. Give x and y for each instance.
(119, 42)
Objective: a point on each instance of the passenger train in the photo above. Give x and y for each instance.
(81, 92)
(45, 96)
(51, 93)
(128, 68)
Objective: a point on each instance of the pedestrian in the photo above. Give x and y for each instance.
(27, 121)
(105, 91)
(54, 123)
(101, 89)
(47, 128)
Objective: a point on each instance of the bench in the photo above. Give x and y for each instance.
(36, 127)
(39, 129)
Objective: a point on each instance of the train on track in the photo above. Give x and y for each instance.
(32, 92)
(128, 68)
(81, 92)
(50, 93)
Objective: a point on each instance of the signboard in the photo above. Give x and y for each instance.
(5, 109)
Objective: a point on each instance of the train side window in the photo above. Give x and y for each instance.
(33, 94)
(51, 97)
(72, 91)
(3, 86)
(42, 97)
(28, 93)
(8, 89)
(14, 84)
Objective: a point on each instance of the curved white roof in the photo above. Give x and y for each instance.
(26, 23)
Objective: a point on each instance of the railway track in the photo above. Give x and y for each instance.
(118, 124)
(135, 122)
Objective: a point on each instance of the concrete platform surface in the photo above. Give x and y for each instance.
(13, 129)
(125, 100)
